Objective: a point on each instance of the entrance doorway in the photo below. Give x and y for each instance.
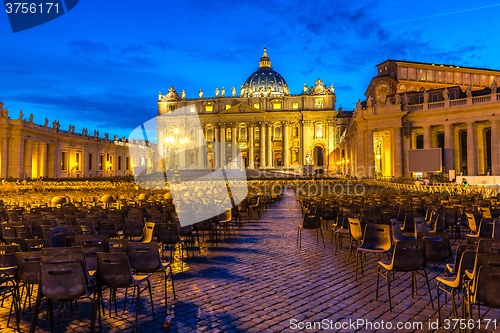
(318, 156)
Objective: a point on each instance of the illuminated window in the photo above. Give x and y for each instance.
(192, 109)
(276, 106)
(277, 132)
(257, 134)
(101, 162)
(209, 135)
(90, 162)
(243, 133)
(77, 161)
(256, 105)
(319, 103)
(319, 130)
(295, 105)
(209, 108)
(64, 163)
(228, 134)
(228, 106)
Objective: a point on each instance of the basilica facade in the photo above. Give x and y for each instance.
(272, 127)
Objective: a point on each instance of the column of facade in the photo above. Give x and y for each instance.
(262, 132)
(234, 144)
(398, 153)
(5, 158)
(269, 145)
(306, 126)
(480, 149)
(360, 154)
(495, 147)
(370, 162)
(332, 142)
(201, 149)
(471, 150)
(222, 145)
(286, 144)
(250, 146)
(216, 147)
(427, 137)
(448, 147)
(51, 161)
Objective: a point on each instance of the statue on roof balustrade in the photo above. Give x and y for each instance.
(494, 87)
(183, 94)
(242, 92)
(446, 95)
(222, 92)
(233, 91)
(201, 94)
(216, 92)
(468, 91)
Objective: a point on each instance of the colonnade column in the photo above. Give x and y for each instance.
(269, 145)
(250, 146)
(448, 147)
(42, 165)
(495, 156)
(262, 132)
(471, 150)
(360, 152)
(5, 157)
(28, 146)
(370, 162)
(286, 144)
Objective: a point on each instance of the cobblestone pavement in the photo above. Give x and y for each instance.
(260, 281)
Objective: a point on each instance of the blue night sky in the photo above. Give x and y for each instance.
(102, 64)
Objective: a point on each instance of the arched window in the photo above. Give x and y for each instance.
(243, 133)
(295, 131)
(277, 132)
(209, 135)
(319, 130)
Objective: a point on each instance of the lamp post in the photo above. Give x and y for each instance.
(173, 144)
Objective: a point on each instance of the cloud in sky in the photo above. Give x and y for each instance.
(91, 68)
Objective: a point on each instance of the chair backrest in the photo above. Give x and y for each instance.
(225, 216)
(62, 281)
(484, 259)
(496, 228)
(471, 220)
(487, 287)
(8, 230)
(59, 251)
(114, 269)
(144, 257)
(92, 244)
(377, 236)
(118, 245)
(488, 246)
(58, 236)
(461, 248)
(148, 232)
(23, 232)
(466, 262)
(7, 257)
(486, 227)
(437, 246)
(28, 266)
(73, 230)
(397, 234)
(167, 233)
(107, 227)
(355, 228)
(88, 229)
(132, 227)
(409, 255)
(36, 244)
(420, 225)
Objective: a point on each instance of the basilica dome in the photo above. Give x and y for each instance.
(265, 81)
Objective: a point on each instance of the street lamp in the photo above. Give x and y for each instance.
(173, 144)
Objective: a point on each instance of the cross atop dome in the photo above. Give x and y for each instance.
(264, 60)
